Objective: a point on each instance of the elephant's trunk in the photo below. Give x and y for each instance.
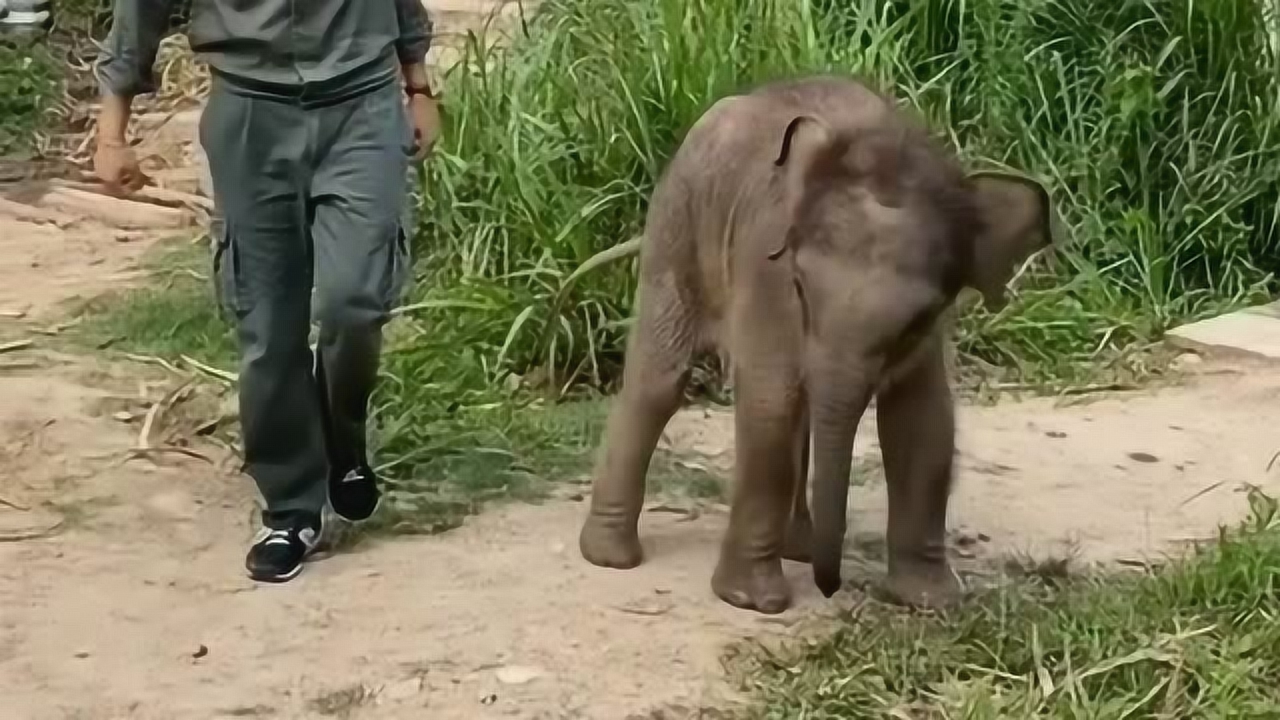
(837, 404)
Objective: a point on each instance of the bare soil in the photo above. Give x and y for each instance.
(136, 605)
(122, 593)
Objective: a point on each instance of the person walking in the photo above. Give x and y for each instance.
(317, 112)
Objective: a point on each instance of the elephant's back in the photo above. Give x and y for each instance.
(743, 133)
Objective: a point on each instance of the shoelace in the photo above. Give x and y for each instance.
(278, 537)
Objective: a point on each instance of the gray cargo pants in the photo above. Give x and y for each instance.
(310, 197)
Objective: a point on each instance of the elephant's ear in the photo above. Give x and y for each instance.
(808, 148)
(1018, 220)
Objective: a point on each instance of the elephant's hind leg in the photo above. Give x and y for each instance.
(659, 356)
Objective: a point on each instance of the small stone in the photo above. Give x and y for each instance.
(517, 675)
(489, 699)
(200, 652)
(82, 654)
(1143, 457)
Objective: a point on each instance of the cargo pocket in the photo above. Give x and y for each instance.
(226, 268)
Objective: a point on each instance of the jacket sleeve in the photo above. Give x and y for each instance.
(126, 62)
(415, 31)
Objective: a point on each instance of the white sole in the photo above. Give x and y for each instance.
(279, 578)
(276, 579)
(22, 17)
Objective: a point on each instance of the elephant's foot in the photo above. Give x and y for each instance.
(610, 543)
(923, 584)
(799, 542)
(758, 585)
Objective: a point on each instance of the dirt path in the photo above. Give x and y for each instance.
(501, 618)
(131, 601)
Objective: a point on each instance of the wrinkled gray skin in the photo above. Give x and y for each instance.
(813, 237)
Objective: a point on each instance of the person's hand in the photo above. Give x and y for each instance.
(116, 165)
(424, 113)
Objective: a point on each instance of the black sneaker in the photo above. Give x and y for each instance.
(354, 495)
(277, 555)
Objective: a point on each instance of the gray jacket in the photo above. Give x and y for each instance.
(269, 43)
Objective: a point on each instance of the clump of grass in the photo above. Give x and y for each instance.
(177, 318)
(29, 86)
(442, 458)
(174, 314)
(1195, 639)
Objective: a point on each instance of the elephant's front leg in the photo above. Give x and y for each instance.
(658, 357)
(749, 574)
(917, 435)
(799, 545)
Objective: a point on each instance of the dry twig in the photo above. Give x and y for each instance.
(33, 534)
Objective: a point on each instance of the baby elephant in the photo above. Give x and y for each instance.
(812, 236)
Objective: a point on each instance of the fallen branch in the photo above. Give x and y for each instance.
(653, 611)
(153, 194)
(15, 345)
(211, 426)
(14, 505)
(121, 213)
(153, 415)
(222, 375)
(147, 452)
(152, 360)
(55, 330)
(34, 534)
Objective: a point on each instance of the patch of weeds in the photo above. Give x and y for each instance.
(675, 475)
(177, 314)
(181, 319)
(343, 703)
(867, 470)
(30, 77)
(1195, 639)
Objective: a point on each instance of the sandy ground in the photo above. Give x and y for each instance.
(137, 606)
(130, 601)
(122, 593)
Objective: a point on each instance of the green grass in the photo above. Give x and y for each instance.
(30, 81)
(1156, 126)
(464, 455)
(1154, 123)
(1196, 639)
(34, 71)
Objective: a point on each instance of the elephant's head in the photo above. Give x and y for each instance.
(884, 230)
